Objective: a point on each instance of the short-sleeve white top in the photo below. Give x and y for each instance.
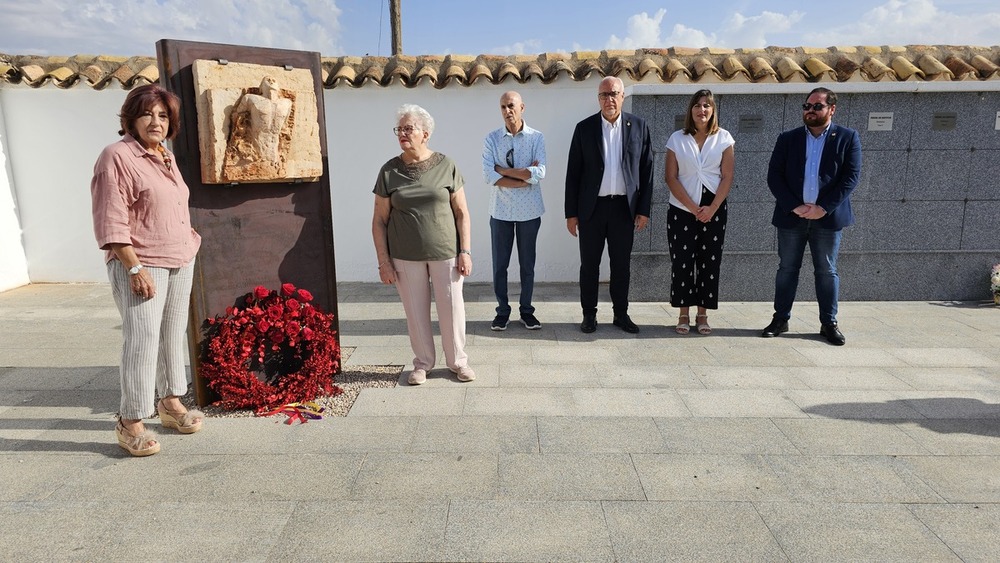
(697, 168)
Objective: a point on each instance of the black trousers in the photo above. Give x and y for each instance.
(696, 255)
(611, 223)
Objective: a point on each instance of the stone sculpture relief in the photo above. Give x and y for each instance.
(266, 130)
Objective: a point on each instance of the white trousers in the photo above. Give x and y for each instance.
(153, 331)
(414, 281)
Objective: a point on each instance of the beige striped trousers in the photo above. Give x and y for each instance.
(153, 329)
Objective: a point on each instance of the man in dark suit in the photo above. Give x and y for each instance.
(812, 172)
(609, 190)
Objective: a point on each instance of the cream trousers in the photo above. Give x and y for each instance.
(153, 332)
(414, 281)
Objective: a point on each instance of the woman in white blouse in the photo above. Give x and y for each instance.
(699, 173)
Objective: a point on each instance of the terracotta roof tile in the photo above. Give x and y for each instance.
(934, 69)
(985, 67)
(905, 69)
(667, 65)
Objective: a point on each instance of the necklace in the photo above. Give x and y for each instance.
(163, 154)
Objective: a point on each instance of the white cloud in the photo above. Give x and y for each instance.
(519, 48)
(903, 22)
(737, 31)
(132, 27)
(751, 32)
(643, 31)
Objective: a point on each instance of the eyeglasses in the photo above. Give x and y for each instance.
(406, 130)
(510, 158)
(608, 95)
(814, 107)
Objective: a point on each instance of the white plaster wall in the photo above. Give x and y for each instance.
(54, 136)
(13, 264)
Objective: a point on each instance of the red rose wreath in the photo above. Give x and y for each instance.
(270, 349)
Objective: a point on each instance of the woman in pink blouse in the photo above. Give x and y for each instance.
(142, 222)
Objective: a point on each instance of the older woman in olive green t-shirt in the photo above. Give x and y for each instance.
(422, 239)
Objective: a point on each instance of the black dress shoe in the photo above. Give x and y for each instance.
(589, 323)
(625, 323)
(832, 334)
(776, 327)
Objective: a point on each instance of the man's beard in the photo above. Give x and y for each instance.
(813, 120)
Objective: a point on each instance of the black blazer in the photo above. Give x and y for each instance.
(839, 174)
(585, 167)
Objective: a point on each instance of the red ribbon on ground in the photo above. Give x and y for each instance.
(302, 412)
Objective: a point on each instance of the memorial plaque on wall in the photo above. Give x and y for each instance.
(943, 121)
(751, 123)
(679, 122)
(274, 224)
(880, 121)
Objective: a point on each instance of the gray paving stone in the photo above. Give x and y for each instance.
(943, 357)
(954, 404)
(504, 530)
(955, 437)
(93, 531)
(574, 402)
(501, 355)
(34, 477)
(959, 479)
(652, 377)
(854, 404)
(49, 378)
(858, 479)
(13, 399)
(948, 379)
(474, 434)
(749, 377)
(409, 401)
(218, 477)
(836, 377)
(676, 477)
(364, 530)
(723, 436)
(756, 355)
(598, 435)
(425, 476)
(575, 354)
(690, 353)
(972, 531)
(851, 532)
(848, 356)
(848, 437)
(587, 476)
(549, 375)
(739, 403)
(689, 531)
(271, 436)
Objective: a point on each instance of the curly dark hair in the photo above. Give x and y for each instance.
(142, 99)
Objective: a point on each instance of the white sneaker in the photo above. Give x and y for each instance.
(417, 376)
(465, 374)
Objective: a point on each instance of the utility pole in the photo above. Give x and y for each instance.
(395, 22)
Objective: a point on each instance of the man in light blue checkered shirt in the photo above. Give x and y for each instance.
(514, 165)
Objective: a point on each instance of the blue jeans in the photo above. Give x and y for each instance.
(824, 245)
(503, 234)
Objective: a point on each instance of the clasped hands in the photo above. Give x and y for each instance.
(809, 211)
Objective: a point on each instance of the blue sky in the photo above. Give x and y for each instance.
(360, 27)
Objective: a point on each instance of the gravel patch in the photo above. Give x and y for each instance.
(352, 380)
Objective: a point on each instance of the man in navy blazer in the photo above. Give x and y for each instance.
(812, 172)
(609, 191)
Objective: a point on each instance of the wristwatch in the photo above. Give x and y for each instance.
(134, 269)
